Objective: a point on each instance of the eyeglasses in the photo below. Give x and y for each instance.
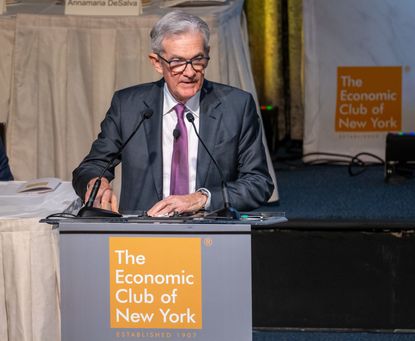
(179, 65)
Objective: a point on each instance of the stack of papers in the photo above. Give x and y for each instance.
(20, 199)
(41, 185)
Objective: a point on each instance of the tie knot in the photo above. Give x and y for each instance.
(180, 108)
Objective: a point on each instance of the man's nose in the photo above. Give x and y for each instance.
(188, 70)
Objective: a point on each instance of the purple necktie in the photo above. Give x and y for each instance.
(179, 178)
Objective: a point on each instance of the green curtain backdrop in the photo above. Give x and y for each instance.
(275, 38)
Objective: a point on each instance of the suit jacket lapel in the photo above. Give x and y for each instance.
(153, 129)
(210, 117)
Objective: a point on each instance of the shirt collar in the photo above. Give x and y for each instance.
(170, 102)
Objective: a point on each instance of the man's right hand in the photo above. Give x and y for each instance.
(105, 198)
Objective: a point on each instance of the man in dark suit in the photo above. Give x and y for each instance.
(5, 173)
(165, 169)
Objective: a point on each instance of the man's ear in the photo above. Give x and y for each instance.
(155, 61)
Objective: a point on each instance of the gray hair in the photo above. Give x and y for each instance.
(177, 23)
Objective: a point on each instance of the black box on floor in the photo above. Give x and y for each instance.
(399, 154)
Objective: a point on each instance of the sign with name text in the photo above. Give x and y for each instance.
(155, 283)
(103, 7)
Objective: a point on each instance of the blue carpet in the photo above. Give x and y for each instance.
(329, 192)
(329, 336)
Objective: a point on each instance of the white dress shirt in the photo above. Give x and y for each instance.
(169, 124)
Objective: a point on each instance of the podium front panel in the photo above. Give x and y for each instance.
(180, 282)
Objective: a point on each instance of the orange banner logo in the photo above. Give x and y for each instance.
(369, 99)
(155, 283)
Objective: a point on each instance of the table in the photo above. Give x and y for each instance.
(29, 263)
(58, 74)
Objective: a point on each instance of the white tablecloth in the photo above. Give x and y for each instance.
(29, 264)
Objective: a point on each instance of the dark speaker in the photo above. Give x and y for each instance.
(399, 155)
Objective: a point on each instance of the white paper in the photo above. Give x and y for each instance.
(40, 185)
(34, 204)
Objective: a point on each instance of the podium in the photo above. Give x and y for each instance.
(155, 280)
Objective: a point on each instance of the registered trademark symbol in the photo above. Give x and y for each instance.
(208, 242)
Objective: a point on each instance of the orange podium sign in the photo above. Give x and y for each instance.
(155, 283)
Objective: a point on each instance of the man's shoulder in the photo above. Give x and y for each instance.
(141, 90)
(225, 89)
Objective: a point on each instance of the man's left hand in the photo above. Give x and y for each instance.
(177, 204)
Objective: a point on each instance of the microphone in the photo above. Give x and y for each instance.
(227, 211)
(88, 211)
(176, 133)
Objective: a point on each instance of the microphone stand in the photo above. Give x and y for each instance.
(89, 211)
(226, 212)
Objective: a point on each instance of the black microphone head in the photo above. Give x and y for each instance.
(147, 113)
(190, 117)
(176, 133)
